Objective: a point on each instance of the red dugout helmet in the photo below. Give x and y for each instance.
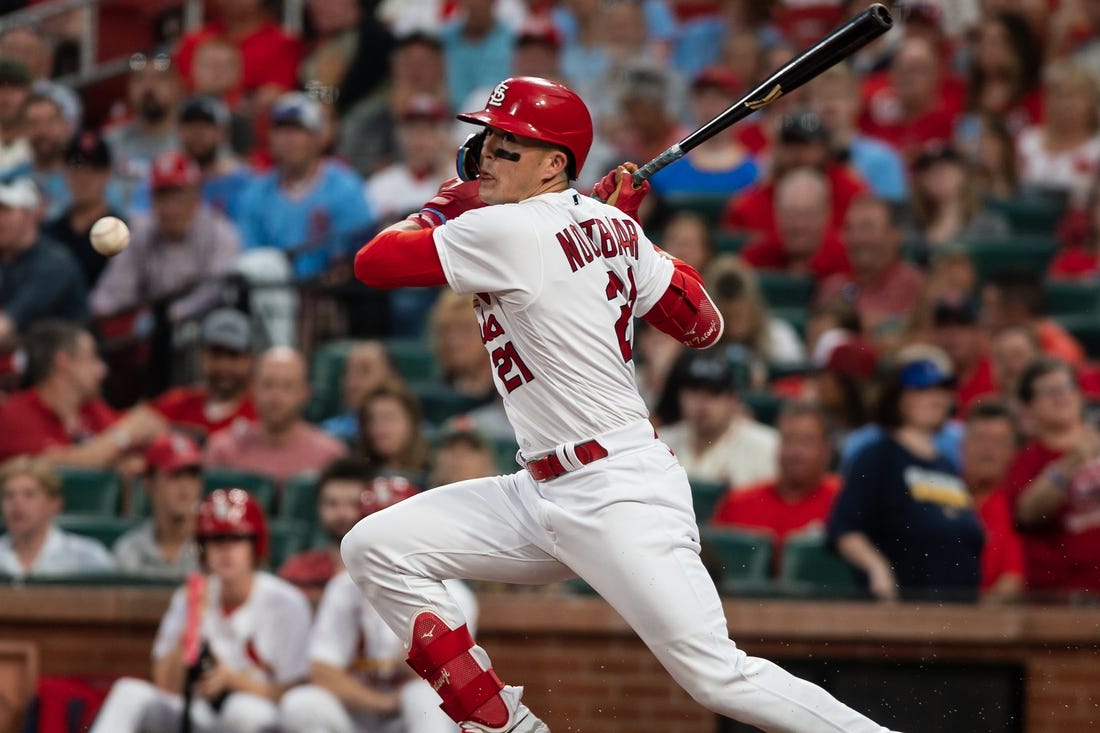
(232, 513)
(540, 109)
(385, 491)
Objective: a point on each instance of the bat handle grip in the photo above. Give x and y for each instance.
(671, 155)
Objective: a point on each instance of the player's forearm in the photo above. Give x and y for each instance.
(401, 255)
(686, 311)
(349, 690)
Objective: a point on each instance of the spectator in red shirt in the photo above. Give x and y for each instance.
(803, 141)
(61, 417)
(1015, 296)
(338, 510)
(801, 495)
(989, 444)
(882, 286)
(1053, 485)
(956, 330)
(803, 244)
(1079, 257)
(226, 363)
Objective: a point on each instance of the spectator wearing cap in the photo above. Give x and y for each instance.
(368, 130)
(882, 286)
(223, 398)
(15, 149)
(48, 133)
(306, 202)
(477, 46)
(269, 55)
(834, 96)
(423, 161)
(280, 444)
(803, 243)
(463, 452)
(38, 277)
(61, 416)
(716, 441)
(721, 165)
(946, 201)
(914, 103)
(204, 129)
(1014, 296)
(956, 330)
(91, 195)
(1052, 484)
(366, 367)
(802, 142)
(177, 256)
(164, 545)
(30, 499)
(803, 491)
(153, 94)
(904, 518)
(340, 489)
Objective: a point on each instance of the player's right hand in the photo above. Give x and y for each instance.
(454, 197)
(617, 189)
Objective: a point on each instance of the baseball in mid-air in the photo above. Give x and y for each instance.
(110, 235)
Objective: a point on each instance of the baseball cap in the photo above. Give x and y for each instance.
(718, 78)
(422, 107)
(173, 452)
(204, 108)
(14, 73)
(228, 329)
(173, 169)
(19, 194)
(295, 108)
(709, 372)
(925, 373)
(87, 148)
(539, 32)
(958, 311)
(803, 127)
(844, 352)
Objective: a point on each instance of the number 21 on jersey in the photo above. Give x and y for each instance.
(629, 292)
(505, 359)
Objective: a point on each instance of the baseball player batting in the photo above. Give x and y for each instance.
(556, 278)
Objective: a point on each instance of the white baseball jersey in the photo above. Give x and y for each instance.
(267, 636)
(558, 279)
(349, 634)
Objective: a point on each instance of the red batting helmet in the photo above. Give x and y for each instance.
(385, 491)
(232, 513)
(541, 109)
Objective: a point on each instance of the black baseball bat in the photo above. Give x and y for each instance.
(830, 50)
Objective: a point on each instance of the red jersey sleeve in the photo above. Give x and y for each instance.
(395, 259)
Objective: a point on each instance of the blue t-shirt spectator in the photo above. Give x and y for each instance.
(881, 166)
(683, 177)
(475, 64)
(919, 514)
(333, 215)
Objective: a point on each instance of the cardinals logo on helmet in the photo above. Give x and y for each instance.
(496, 99)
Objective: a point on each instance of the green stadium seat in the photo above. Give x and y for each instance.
(1086, 329)
(1068, 298)
(440, 402)
(730, 243)
(412, 358)
(788, 369)
(103, 578)
(796, 315)
(1017, 252)
(106, 530)
(261, 487)
(763, 405)
(325, 375)
(90, 491)
(781, 290)
(745, 557)
(288, 536)
(708, 206)
(505, 450)
(578, 586)
(300, 499)
(807, 563)
(705, 496)
(1030, 214)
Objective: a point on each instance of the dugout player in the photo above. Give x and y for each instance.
(255, 625)
(556, 278)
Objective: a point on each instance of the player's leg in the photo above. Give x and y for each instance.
(244, 712)
(134, 706)
(477, 530)
(313, 709)
(644, 561)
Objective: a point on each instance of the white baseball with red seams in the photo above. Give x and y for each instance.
(556, 281)
(110, 235)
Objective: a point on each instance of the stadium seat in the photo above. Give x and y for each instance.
(90, 491)
(1086, 329)
(106, 530)
(705, 496)
(300, 499)
(288, 536)
(763, 405)
(325, 375)
(412, 358)
(708, 206)
(796, 315)
(1030, 214)
(730, 243)
(781, 290)
(440, 402)
(745, 557)
(505, 449)
(102, 578)
(1068, 298)
(1019, 252)
(808, 564)
(578, 586)
(261, 487)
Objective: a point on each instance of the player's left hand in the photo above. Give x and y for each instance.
(617, 189)
(215, 682)
(453, 198)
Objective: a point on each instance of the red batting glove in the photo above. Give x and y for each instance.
(453, 197)
(617, 189)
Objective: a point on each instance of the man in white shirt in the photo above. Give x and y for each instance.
(30, 495)
(716, 440)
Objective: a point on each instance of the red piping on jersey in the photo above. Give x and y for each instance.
(396, 259)
(685, 311)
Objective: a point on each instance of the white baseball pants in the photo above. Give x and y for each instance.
(624, 524)
(313, 709)
(137, 706)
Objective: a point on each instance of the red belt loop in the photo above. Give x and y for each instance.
(549, 467)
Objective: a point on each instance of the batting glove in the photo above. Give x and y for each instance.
(454, 197)
(617, 189)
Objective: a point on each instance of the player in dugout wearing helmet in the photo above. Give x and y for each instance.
(254, 625)
(556, 278)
